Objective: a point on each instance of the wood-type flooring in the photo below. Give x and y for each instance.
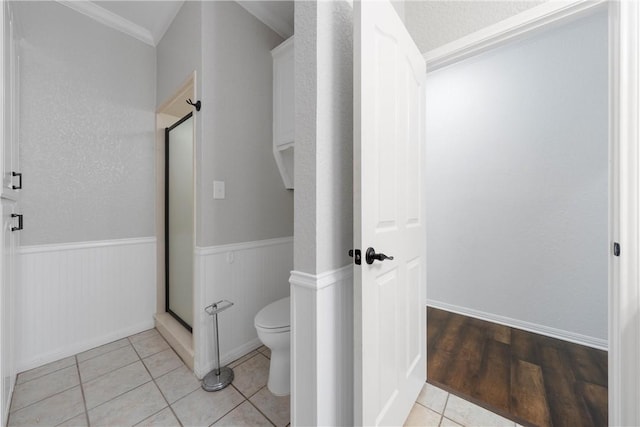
(531, 379)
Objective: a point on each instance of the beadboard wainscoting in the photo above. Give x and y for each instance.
(536, 328)
(73, 297)
(251, 275)
(322, 371)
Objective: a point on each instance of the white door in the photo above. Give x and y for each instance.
(389, 203)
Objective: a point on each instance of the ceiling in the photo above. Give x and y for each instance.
(149, 20)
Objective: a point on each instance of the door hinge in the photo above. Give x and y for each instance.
(616, 248)
(356, 255)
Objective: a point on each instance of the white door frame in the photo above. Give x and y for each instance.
(624, 179)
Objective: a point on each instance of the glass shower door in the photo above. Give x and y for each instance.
(179, 220)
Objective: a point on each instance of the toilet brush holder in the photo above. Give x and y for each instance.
(219, 378)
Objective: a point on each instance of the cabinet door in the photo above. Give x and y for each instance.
(283, 102)
(7, 286)
(11, 78)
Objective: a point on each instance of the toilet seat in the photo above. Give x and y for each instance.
(274, 317)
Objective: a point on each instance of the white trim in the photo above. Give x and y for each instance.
(34, 249)
(624, 284)
(110, 19)
(522, 324)
(322, 280)
(211, 250)
(202, 369)
(507, 30)
(25, 365)
(270, 19)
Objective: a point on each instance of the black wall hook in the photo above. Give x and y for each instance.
(198, 104)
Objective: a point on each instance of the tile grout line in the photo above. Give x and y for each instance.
(229, 411)
(43, 375)
(101, 354)
(156, 384)
(44, 398)
(107, 373)
(444, 408)
(84, 399)
(263, 414)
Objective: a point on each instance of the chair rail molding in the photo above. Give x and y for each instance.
(324, 351)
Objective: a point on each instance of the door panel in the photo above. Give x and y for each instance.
(389, 208)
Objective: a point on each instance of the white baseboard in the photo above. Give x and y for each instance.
(25, 365)
(208, 365)
(524, 325)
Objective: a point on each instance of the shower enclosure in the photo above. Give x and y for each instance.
(179, 220)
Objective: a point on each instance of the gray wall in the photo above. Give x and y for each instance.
(237, 130)
(179, 52)
(517, 196)
(434, 23)
(230, 51)
(87, 145)
(324, 136)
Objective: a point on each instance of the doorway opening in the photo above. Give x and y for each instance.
(175, 219)
(529, 174)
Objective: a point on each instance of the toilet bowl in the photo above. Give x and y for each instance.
(273, 326)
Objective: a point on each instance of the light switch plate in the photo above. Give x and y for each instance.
(218, 190)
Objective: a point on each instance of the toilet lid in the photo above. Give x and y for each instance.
(274, 316)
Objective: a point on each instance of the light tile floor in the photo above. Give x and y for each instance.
(435, 407)
(141, 381)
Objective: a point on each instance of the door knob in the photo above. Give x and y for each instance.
(371, 256)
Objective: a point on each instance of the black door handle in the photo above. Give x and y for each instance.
(371, 256)
(19, 175)
(19, 227)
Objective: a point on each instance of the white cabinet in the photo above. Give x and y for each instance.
(9, 91)
(284, 109)
(11, 176)
(7, 295)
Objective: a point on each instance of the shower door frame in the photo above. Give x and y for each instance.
(166, 220)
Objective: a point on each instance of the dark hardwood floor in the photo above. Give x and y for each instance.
(529, 378)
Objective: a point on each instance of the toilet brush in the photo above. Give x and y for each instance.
(219, 378)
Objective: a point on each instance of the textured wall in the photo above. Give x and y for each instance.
(324, 136)
(436, 22)
(305, 62)
(179, 52)
(517, 213)
(237, 136)
(87, 126)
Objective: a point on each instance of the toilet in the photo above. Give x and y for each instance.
(273, 326)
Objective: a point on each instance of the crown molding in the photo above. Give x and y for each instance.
(110, 19)
(502, 32)
(271, 20)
